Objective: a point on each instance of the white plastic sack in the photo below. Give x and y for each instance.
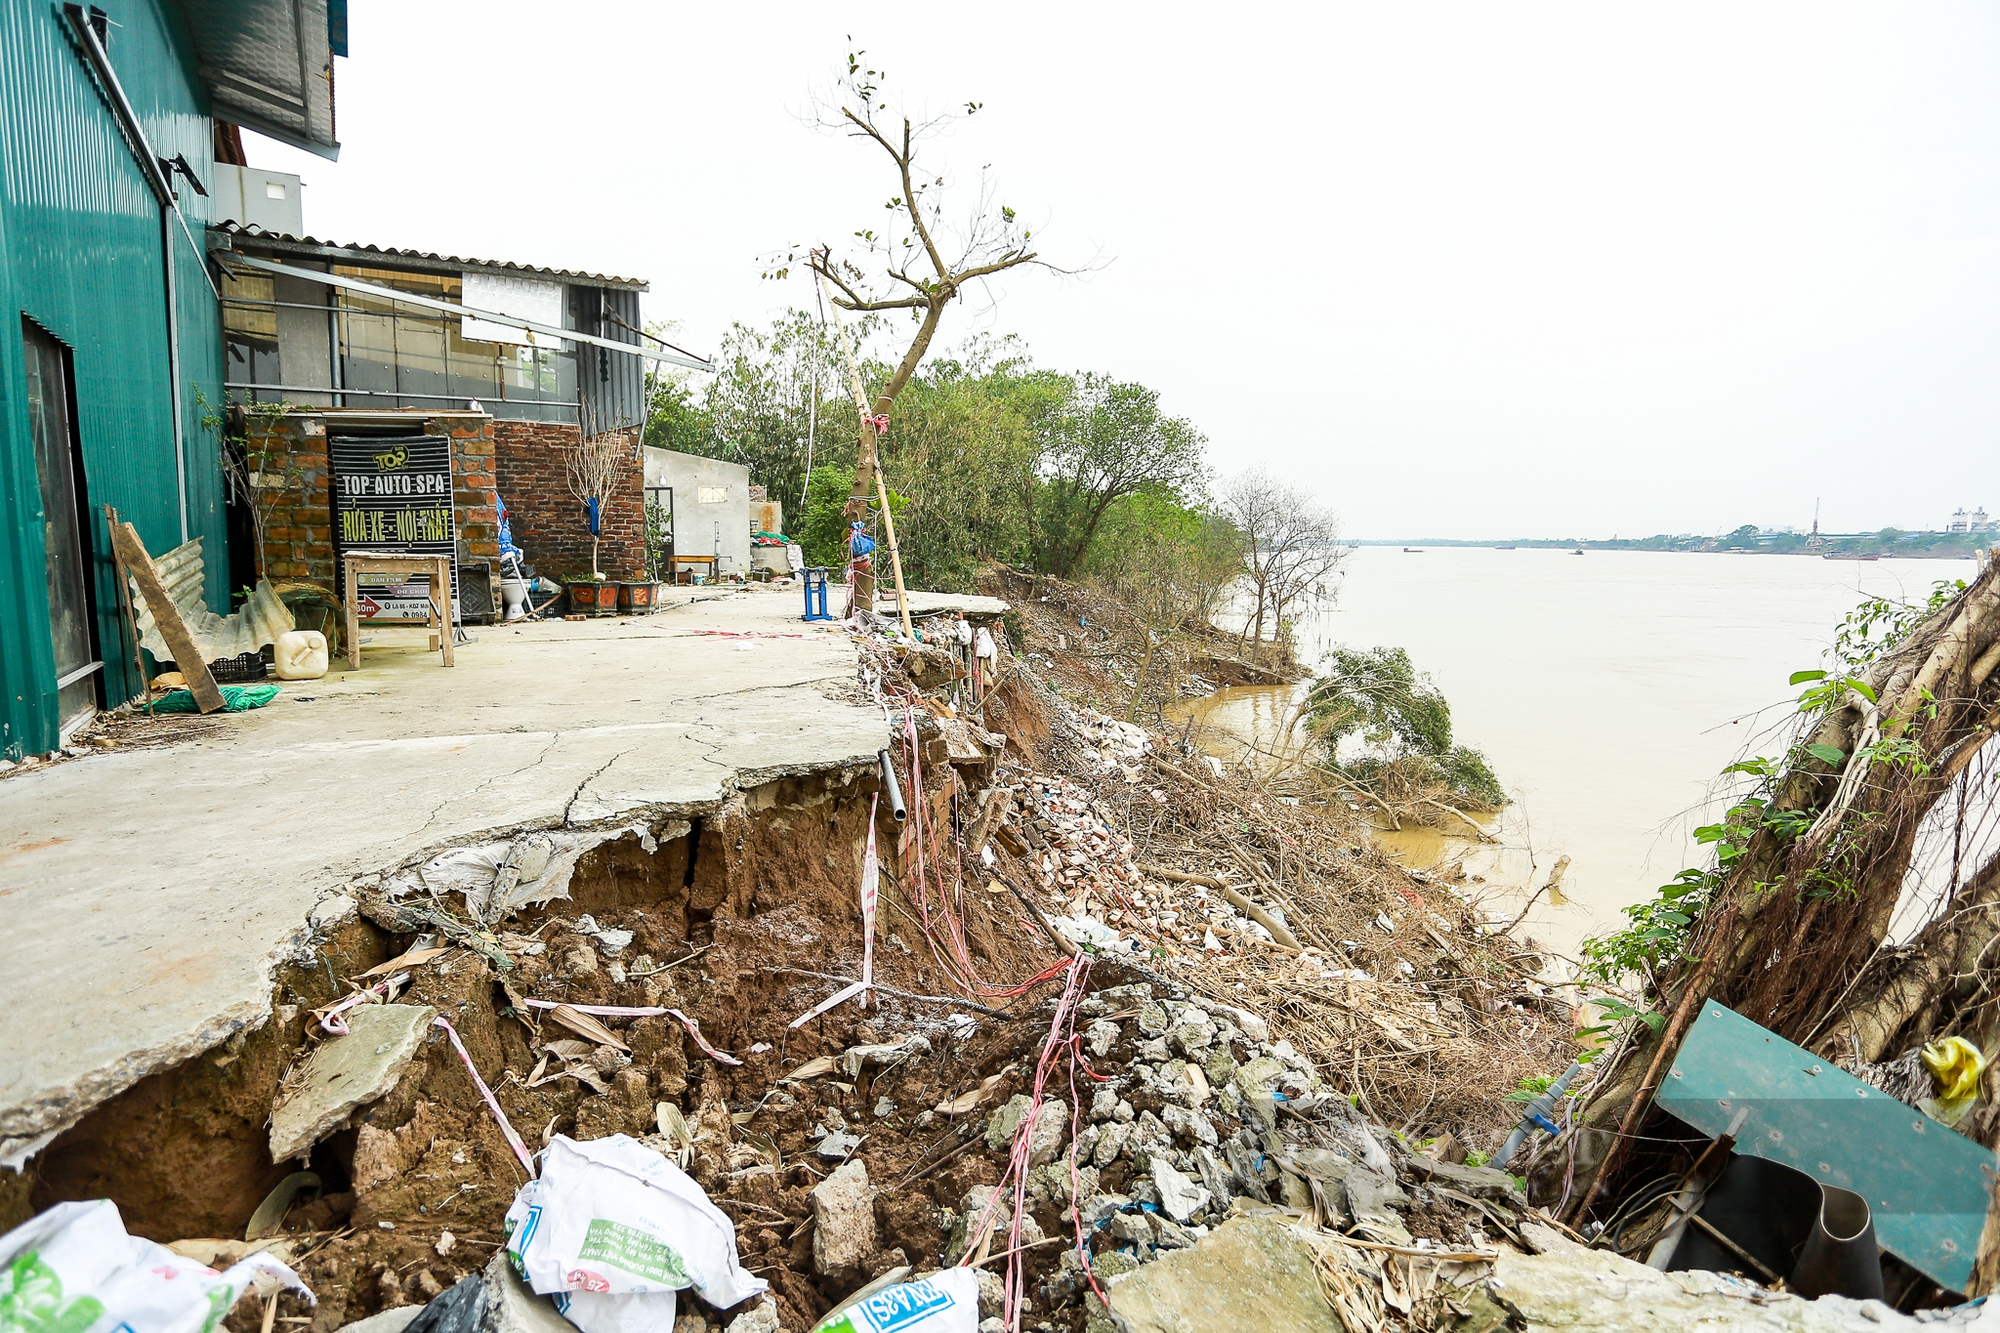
(612, 1230)
(73, 1269)
(946, 1302)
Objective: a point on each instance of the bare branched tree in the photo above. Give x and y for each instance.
(591, 466)
(924, 260)
(1293, 543)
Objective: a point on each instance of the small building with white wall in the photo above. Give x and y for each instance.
(710, 504)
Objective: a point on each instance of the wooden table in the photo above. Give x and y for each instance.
(438, 567)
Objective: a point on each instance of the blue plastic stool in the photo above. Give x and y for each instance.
(815, 585)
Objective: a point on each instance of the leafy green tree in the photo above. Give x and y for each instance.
(963, 455)
(1165, 566)
(772, 388)
(1102, 440)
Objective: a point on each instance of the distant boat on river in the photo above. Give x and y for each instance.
(1577, 551)
(1413, 550)
(1850, 557)
(1503, 548)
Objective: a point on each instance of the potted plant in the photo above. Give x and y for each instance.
(639, 598)
(591, 596)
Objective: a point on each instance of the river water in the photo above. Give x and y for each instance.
(1607, 690)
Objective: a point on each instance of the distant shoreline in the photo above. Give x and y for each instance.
(1903, 546)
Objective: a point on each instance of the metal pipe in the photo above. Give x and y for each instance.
(384, 393)
(895, 788)
(1535, 1117)
(174, 368)
(458, 308)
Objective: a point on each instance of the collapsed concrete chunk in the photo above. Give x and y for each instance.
(347, 1073)
(389, 1321)
(1001, 1128)
(1045, 1140)
(843, 1220)
(1598, 1290)
(1481, 1182)
(512, 1308)
(1253, 1272)
(1179, 1196)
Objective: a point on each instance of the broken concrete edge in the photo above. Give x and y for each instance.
(27, 1129)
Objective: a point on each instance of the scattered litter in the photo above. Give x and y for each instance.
(486, 1093)
(270, 1214)
(75, 1268)
(580, 1011)
(946, 1302)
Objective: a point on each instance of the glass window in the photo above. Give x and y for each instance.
(413, 357)
(250, 335)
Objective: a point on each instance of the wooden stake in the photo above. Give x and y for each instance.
(895, 557)
(125, 605)
(166, 616)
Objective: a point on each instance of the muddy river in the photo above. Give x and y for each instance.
(1607, 690)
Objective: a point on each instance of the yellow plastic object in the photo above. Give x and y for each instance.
(1956, 1065)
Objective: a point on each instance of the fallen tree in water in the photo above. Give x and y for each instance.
(1888, 772)
(1409, 766)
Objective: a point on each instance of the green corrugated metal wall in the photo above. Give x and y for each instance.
(80, 254)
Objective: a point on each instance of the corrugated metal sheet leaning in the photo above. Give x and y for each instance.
(259, 621)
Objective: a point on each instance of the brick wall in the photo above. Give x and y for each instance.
(548, 522)
(292, 480)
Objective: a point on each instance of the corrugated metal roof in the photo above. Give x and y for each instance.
(255, 240)
(268, 64)
(259, 621)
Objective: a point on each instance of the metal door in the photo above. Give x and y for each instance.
(70, 617)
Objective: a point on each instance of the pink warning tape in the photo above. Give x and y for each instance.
(847, 993)
(492, 1103)
(332, 1021)
(640, 1011)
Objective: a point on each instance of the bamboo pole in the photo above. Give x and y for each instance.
(895, 557)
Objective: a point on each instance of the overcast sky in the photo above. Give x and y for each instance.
(1474, 270)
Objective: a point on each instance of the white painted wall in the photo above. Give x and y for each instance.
(717, 525)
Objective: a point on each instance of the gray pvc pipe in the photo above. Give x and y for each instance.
(894, 788)
(1538, 1108)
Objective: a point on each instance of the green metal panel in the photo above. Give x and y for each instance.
(1926, 1184)
(80, 254)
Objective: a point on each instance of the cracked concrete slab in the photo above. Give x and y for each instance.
(346, 1073)
(151, 894)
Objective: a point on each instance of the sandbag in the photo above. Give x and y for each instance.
(73, 1269)
(612, 1230)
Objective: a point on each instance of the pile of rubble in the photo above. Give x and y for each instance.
(1269, 1053)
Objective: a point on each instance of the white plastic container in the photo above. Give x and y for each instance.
(300, 654)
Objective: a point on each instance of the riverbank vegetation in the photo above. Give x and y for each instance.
(1850, 902)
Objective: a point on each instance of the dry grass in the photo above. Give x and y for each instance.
(1451, 1017)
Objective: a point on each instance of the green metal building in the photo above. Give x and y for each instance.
(110, 121)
